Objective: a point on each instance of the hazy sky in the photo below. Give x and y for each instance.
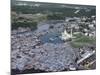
(86, 2)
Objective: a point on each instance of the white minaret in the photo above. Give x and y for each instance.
(66, 36)
(71, 32)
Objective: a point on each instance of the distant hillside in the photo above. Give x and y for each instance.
(28, 7)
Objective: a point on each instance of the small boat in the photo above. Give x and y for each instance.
(51, 39)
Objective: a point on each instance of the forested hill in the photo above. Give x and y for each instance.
(27, 7)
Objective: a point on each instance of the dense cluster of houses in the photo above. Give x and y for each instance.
(84, 25)
(28, 51)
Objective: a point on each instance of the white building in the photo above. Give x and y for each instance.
(65, 36)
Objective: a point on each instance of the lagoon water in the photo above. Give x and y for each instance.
(51, 38)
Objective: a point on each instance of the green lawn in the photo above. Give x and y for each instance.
(82, 40)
